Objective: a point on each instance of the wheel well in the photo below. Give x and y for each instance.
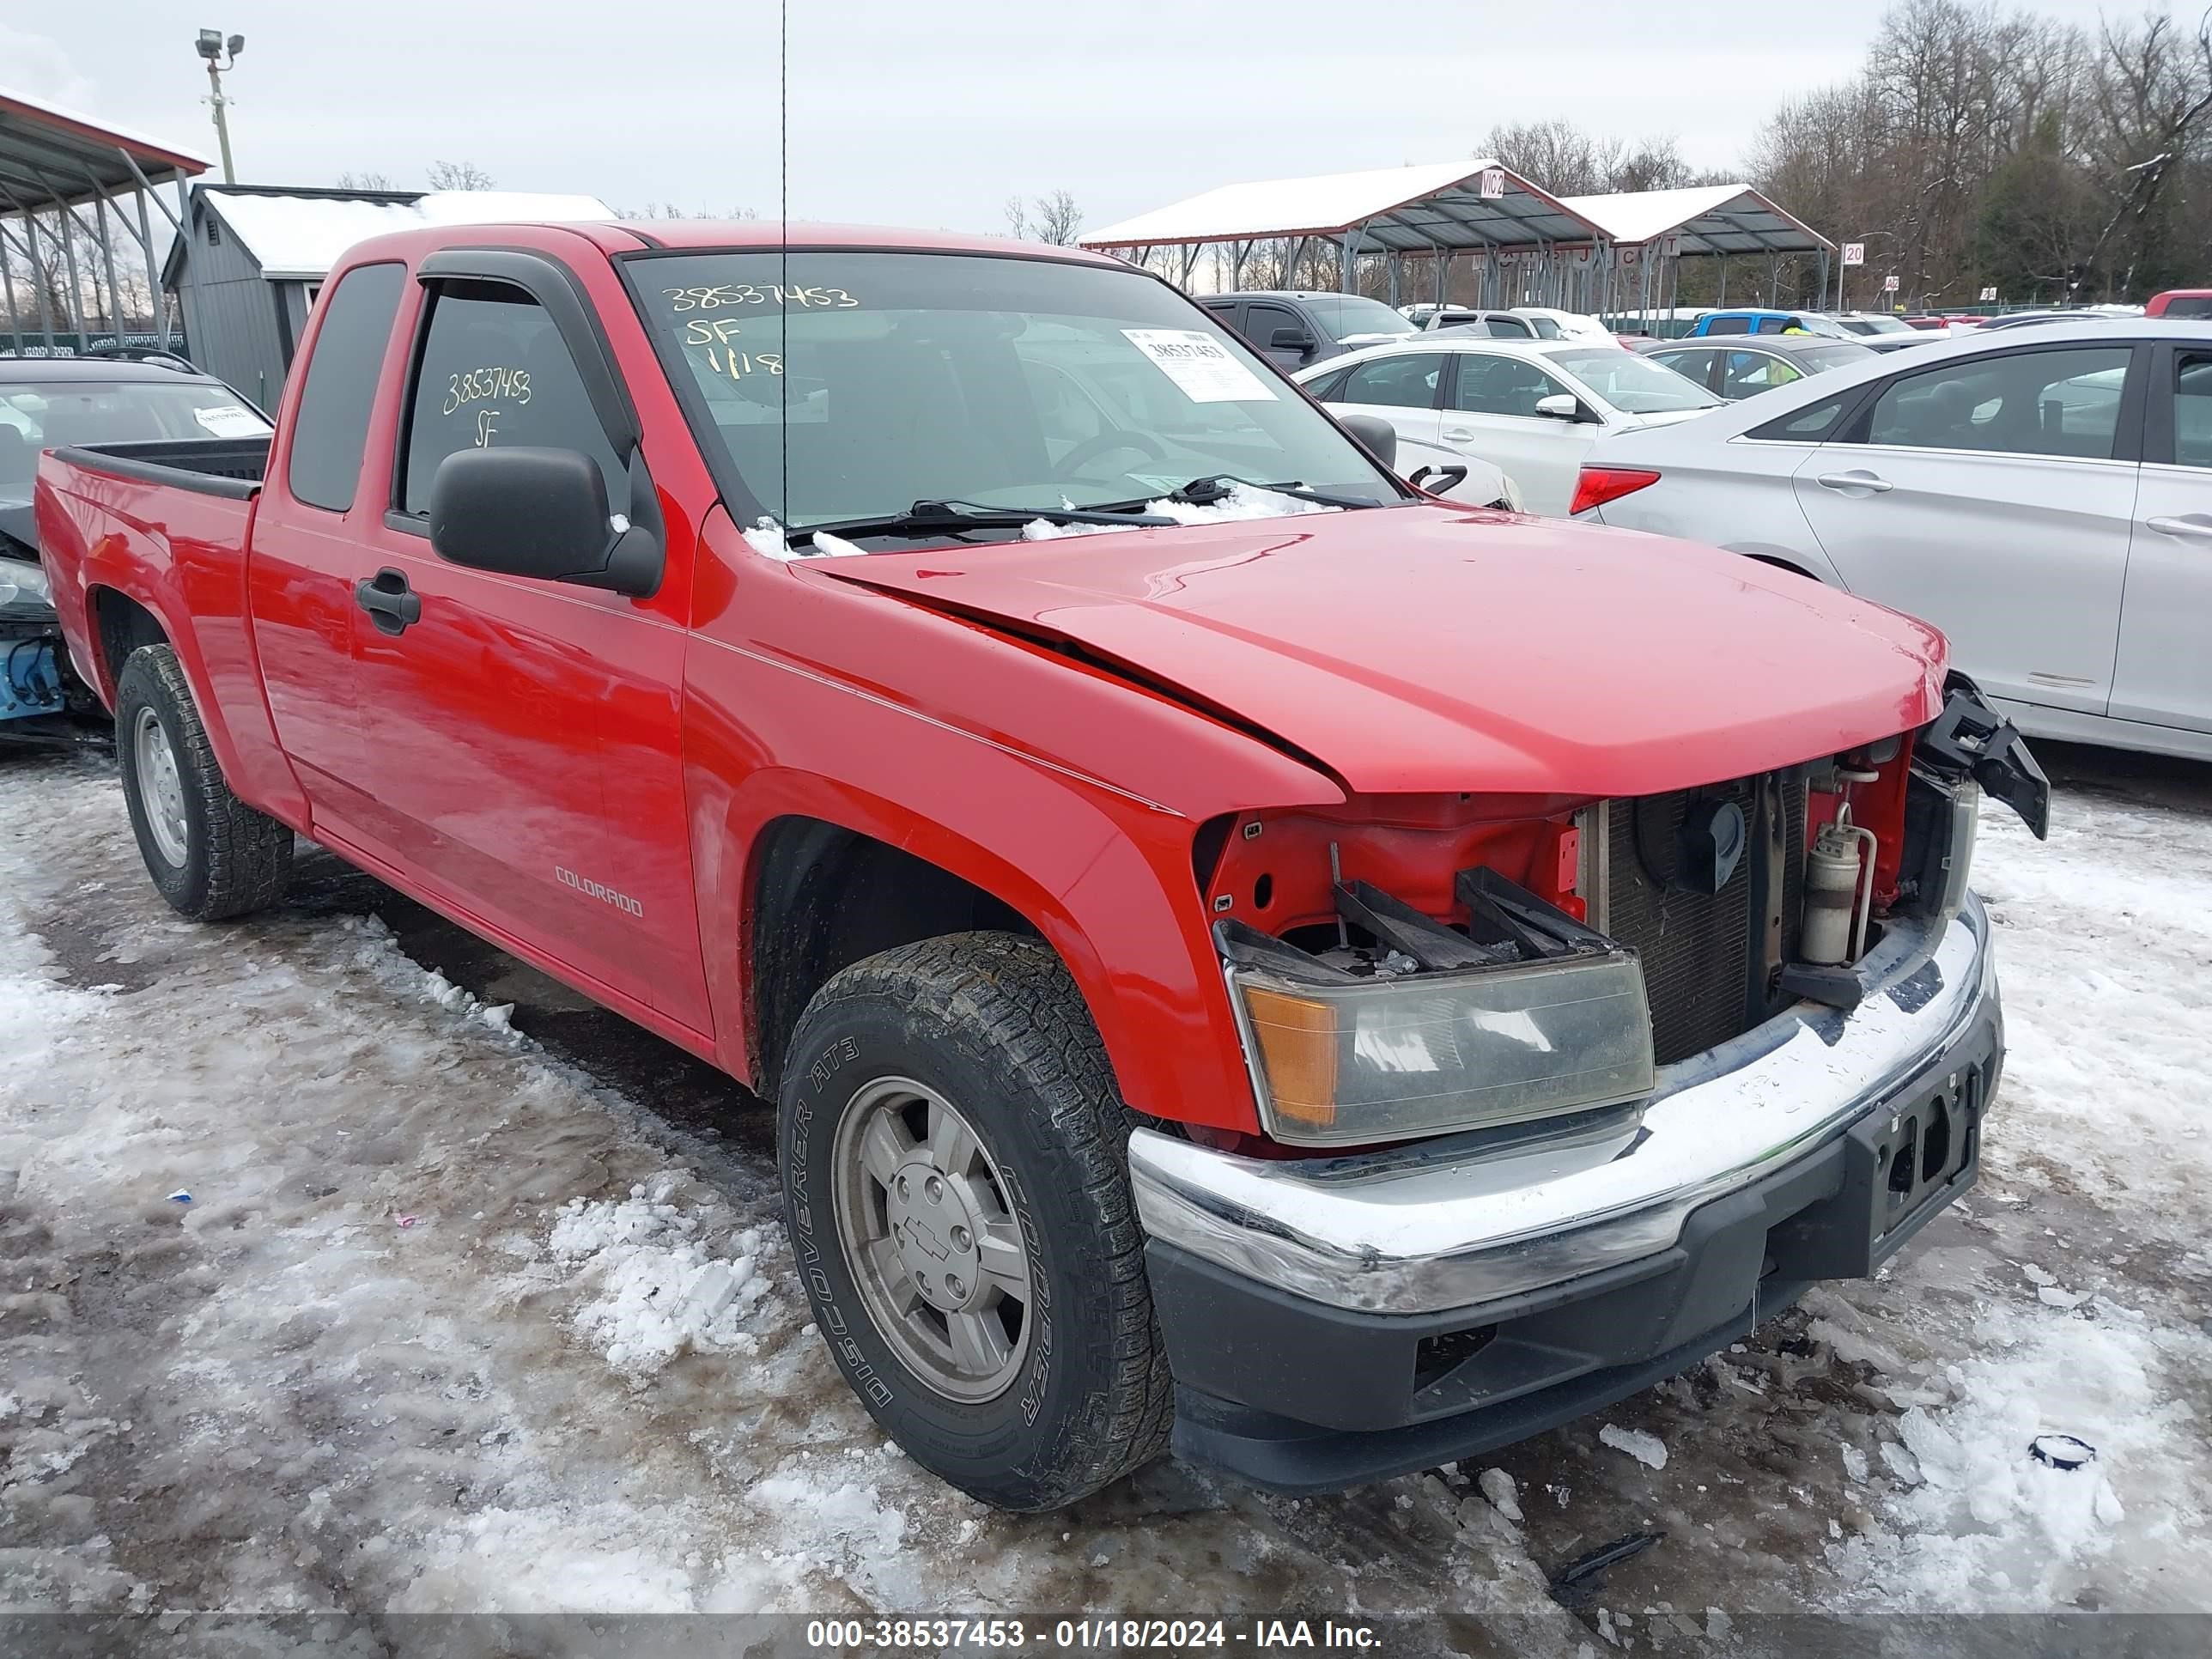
(122, 625)
(823, 897)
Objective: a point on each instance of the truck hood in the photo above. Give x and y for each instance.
(1424, 648)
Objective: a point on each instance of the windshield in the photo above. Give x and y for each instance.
(1346, 314)
(1881, 325)
(46, 414)
(840, 386)
(1633, 384)
(1545, 327)
(1812, 323)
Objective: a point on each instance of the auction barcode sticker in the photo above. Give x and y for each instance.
(1201, 365)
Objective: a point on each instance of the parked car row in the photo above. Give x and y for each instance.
(2043, 494)
(1532, 409)
(2036, 486)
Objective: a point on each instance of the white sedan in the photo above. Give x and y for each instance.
(2043, 494)
(1532, 408)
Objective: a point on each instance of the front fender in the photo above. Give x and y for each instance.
(1069, 795)
(1105, 881)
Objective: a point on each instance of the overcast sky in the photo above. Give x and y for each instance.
(919, 113)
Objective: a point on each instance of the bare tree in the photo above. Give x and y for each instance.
(365, 181)
(1054, 219)
(458, 175)
(670, 210)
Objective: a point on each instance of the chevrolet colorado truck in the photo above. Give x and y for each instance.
(1247, 955)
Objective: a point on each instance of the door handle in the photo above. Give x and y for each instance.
(1460, 435)
(2193, 525)
(1855, 479)
(391, 604)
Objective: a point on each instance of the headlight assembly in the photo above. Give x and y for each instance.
(24, 583)
(1446, 1031)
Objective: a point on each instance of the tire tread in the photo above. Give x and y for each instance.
(248, 854)
(1019, 997)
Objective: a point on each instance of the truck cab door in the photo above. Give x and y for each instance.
(520, 737)
(306, 541)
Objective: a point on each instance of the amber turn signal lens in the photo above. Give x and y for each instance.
(1297, 1040)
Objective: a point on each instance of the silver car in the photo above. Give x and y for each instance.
(2043, 495)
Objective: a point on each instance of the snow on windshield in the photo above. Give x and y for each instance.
(768, 537)
(1243, 501)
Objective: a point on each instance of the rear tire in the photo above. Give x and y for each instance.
(955, 1184)
(210, 854)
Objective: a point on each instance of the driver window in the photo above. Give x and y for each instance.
(2062, 401)
(1502, 385)
(1745, 373)
(494, 371)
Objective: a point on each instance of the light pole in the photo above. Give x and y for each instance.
(220, 55)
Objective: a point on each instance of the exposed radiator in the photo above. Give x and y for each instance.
(1697, 948)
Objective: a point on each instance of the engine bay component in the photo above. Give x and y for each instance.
(1839, 869)
(30, 679)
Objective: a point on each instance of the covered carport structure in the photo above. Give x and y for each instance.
(1651, 232)
(1414, 221)
(1609, 255)
(73, 217)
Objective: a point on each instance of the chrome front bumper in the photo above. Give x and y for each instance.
(1420, 1230)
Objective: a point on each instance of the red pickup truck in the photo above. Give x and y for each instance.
(1246, 955)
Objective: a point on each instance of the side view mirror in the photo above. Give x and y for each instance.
(1560, 406)
(1290, 339)
(539, 512)
(1378, 433)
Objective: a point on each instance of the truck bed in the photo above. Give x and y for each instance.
(207, 467)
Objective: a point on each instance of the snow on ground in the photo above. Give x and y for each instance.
(449, 1324)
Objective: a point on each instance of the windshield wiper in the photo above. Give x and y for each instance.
(1217, 486)
(932, 518)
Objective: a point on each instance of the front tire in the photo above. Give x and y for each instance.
(210, 854)
(956, 1185)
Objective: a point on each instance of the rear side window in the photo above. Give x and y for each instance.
(1729, 325)
(330, 429)
(1690, 365)
(1510, 328)
(494, 371)
(2189, 305)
